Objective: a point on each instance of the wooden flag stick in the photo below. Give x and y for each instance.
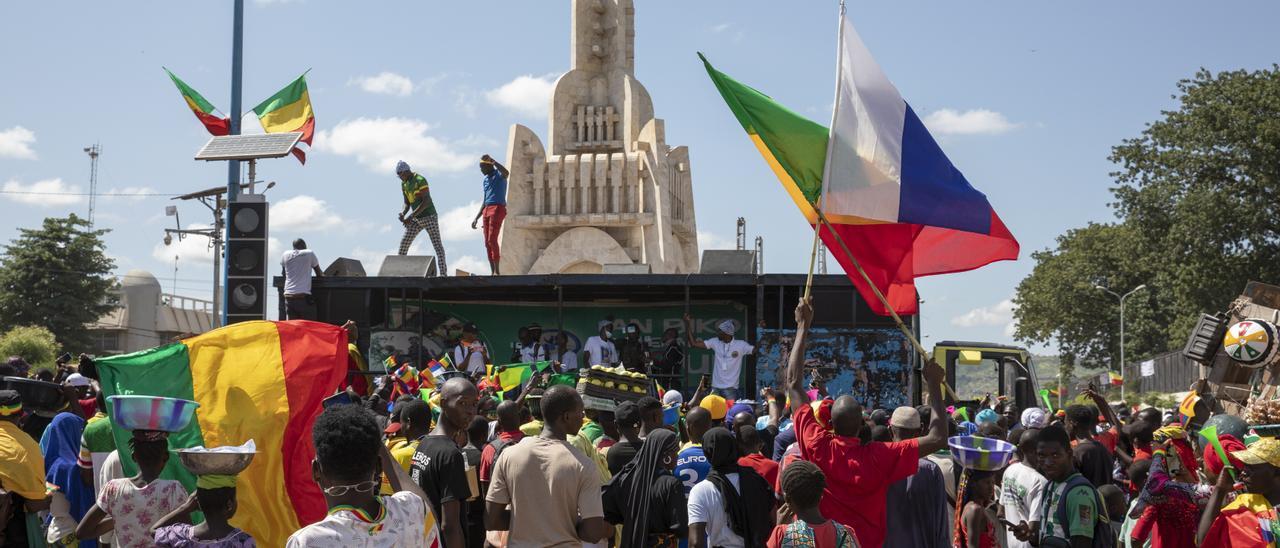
(924, 354)
(813, 256)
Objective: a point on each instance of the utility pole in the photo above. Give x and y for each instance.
(233, 166)
(93, 153)
(1122, 298)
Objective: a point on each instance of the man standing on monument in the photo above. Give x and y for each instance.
(494, 208)
(420, 211)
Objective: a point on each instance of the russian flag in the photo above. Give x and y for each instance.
(878, 177)
(891, 193)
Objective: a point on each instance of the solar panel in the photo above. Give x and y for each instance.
(249, 147)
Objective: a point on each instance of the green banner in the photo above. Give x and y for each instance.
(436, 327)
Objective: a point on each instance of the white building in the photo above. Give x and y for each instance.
(610, 195)
(147, 317)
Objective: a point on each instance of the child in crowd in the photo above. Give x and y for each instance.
(348, 449)
(976, 530)
(216, 498)
(132, 505)
(802, 484)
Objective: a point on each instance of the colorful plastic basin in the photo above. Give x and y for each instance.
(151, 412)
(979, 453)
(36, 395)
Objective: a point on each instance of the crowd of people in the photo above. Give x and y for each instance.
(461, 466)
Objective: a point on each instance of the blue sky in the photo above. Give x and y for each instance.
(1025, 97)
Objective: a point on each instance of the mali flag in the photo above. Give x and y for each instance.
(202, 108)
(289, 110)
(1116, 378)
(254, 380)
(879, 178)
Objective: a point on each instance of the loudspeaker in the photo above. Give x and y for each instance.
(728, 261)
(1206, 338)
(408, 266)
(246, 255)
(345, 268)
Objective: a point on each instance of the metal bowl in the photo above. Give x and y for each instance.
(36, 395)
(203, 463)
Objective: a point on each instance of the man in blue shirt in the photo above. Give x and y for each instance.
(494, 208)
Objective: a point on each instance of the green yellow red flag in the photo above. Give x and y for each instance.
(201, 107)
(289, 110)
(261, 381)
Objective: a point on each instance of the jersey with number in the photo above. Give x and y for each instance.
(692, 466)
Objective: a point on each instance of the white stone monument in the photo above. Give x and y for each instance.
(609, 195)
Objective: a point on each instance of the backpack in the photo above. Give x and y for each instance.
(798, 534)
(1102, 535)
(498, 445)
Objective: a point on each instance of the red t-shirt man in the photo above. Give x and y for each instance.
(767, 468)
(858, 476)
(488, 455)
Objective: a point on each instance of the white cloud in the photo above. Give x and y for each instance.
(303, 212)
(46, 193)
(721, 27)
(131, 193)
(970, 122)
(464, 99)
(1000, 313)
(379, 143)
(455, 224)
(16, 141)
(711, 240)
(385, 83)
(527, 94)
(471, 264)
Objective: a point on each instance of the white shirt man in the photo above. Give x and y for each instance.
(297, 264)
(470, 356)
(728, 351)
(600, 349)
(1021, 495)
(536, 350)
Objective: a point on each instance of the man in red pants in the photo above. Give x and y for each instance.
(494, 208)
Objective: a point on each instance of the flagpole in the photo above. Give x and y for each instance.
(924, 354)
(813, 254)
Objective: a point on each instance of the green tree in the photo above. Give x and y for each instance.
(57, 277)
(36, 345)
(1198, 207)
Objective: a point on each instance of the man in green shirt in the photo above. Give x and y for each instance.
(419, 213)
(1083, 510)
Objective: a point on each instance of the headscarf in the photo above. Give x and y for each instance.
(402, 167)
(10, 403)
(61, 447)
(726, 327)
(751, 521)
(672, 397)
(1230, 444)
(635, 480)
(1034, 417)
(987, 416)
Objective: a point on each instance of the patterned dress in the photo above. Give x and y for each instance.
(180, 536)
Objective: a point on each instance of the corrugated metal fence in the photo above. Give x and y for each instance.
(1173, 373)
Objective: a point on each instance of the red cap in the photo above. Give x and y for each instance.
(392, 427)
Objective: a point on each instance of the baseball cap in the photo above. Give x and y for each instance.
(905, 417)
(1266, 450)
(716, 405)
(76, 379)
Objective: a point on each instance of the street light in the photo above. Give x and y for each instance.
(1121, 298)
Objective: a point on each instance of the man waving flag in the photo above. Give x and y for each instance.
(890, 194)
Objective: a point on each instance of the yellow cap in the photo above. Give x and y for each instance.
(716, 405)
(1265, 450)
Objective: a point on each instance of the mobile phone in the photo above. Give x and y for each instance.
(1008, 523)
(341, 398)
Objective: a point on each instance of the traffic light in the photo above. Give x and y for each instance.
(247, 260)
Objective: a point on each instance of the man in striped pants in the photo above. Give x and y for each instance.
(419, 213)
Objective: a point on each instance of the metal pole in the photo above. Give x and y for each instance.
(1122, 347)
(233, 166)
